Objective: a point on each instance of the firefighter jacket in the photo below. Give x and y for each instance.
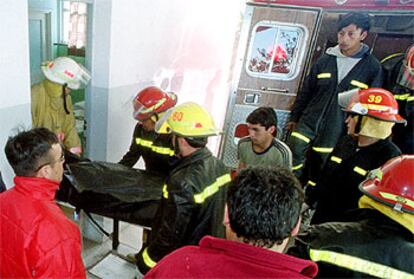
(191, 207)
(368, 244)
(336, 191)
(320, 120)
(37, 239)
(48, 111)
(317, 104)
(156, 150)
(403, 136)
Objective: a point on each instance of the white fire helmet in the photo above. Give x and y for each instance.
(64, 70)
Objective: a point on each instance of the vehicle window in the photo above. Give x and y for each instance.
(274, 50)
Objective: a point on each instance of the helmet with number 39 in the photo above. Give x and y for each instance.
(187, 120)
(374, 102)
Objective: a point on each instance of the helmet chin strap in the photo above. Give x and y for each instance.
(64, 98)
(358, 124)
(176, 147)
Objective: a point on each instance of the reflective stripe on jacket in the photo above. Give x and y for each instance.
(156, 150)
(336, 190)
(366, 244)
(192, 207)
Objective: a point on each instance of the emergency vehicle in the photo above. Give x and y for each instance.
(281, 39)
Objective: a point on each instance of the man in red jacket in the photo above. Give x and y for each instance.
(37, 240)
(263, 213)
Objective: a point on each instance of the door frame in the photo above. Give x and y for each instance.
(45, 16)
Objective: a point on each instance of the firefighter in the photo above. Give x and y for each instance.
(316, 121)
(193, 198)
(371, 115)
(399, 79)
(156, 150)
(376, 240)
(52, 103)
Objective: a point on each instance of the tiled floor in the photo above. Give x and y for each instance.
(99, 257)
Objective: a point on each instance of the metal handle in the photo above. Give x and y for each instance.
(275, 89)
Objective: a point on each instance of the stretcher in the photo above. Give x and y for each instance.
(111, 190)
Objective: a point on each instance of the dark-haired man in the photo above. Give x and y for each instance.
(316, 120)
(263, 213)
(37, 240)
(261, 148)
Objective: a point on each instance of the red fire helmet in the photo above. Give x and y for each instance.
(375, 102)
(406, 76)
(392, 184)
(152, 100)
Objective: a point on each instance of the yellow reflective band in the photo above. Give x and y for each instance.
(311, 183)
(391, 56)
(156, 149)
(147, 259)
(323, 149)
(396, 198)
(163, 150)
(324, 75)
(376, 107)
(300, 136)
(410, 99)
(336, 159)
(154, 107)
(164, 191)
(143, 142)
(359, 84)
(297, 167)
(402, 97)
(212, 189)
(360, 171)
(357, 264)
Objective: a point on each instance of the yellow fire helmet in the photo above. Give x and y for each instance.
(187, 120)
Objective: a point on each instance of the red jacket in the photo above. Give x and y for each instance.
(220, 258)
(37, 240)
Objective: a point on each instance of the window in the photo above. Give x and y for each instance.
(73, 24)
(274, 50)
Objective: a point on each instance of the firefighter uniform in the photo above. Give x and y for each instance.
(316, 111)
(194, 192)
(192, 206)
(403, 136)
(368, 244)
(156, 150)
(337, 189)
(48, 111)
(375, 240)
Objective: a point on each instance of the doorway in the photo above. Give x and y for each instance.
(40, 45)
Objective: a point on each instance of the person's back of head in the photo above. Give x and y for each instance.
(29, 150)
(264, 116)
(359, 19)
(264, 205)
